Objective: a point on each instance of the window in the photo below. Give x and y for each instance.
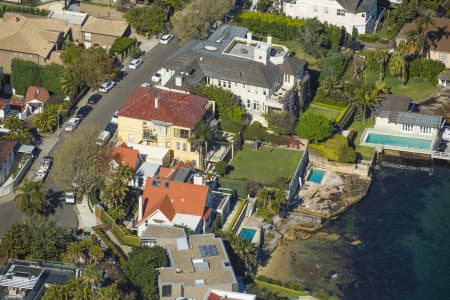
(325, 10)
(160, 131)
(144, 124)
(425, 130)
(184, 147)
(148, 243)
(248, 103)
(264, 92)
(256, 105)
(87, 36)
(181, 133)
(166, 290)
(167, 131)
(340, 12)
(287, 78)
(229, 84)
(407, 127)
(220, 82)
(177, 146)
(443, 57)
(315, 8)
(167, 145)
(363, 15)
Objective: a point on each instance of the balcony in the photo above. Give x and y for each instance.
(148, 135)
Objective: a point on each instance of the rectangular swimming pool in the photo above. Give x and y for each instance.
(316, 176)
(247, 234)
(398, 141)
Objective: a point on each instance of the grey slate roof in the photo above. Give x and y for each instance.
(194, 59)
(357, 6)
(394, 103)
(417, 119)
(293, 66)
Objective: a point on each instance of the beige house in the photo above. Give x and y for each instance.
(102, 32)
(74, 19)
(439, 34)
(30, 38)
(164, 119)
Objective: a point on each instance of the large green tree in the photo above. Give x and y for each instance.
(338, 149)
(382, 57)
(140, 269)
(314, 127)
(366, 96)
(18, 131)
(80, 162)
(148, 19)
(200, 139)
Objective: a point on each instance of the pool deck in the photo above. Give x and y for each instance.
(380, 148)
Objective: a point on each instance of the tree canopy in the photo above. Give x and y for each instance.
(80, 161)
(337, 149)
(140, 269)
(18, 131)
(149, 19)
(314, 127)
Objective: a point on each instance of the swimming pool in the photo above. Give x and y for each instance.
(247, 234)
(398, 141)
(316, 176)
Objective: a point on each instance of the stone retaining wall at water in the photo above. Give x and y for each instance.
(294, 185)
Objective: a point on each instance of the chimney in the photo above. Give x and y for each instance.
(269, 40)
(157, 100)
(37, 91)
(141, 208)
(249, 37)
(179, 80)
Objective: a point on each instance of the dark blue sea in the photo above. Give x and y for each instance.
(404, 228)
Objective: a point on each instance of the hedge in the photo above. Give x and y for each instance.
(114, 248)
(22, 9)
(329, 103)
(123, 237)
(121, 45)
(278, 288)
(238, 185)
(342, 113)
(236, 215)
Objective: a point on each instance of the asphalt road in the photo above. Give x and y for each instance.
(100, 115)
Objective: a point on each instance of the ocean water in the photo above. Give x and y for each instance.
(404, 228)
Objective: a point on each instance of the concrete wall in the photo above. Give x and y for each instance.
(326, 11)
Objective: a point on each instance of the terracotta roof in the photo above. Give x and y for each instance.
(3, 102)
(440, 33)
(30, 35)
(6, 147)
(172, 197)
(126, 156)
(36, 92)
(176, 108)
(105, 27)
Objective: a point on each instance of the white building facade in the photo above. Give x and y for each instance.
(360, 14)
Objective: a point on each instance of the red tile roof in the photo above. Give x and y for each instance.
(177, 108)
(172, 197)
(3, 102)
(6, 147)
(38, 93)
(126, 156)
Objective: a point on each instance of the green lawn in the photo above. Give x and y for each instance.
(330, 114)
(294, 47)
(264, 165)
(359, 126)
(416, 88)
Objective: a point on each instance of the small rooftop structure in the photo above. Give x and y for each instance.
(71, 17)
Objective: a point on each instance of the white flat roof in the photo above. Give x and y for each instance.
(70, 16)
(186, 220)
(149, 151)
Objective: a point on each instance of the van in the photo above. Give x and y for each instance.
(103, 138)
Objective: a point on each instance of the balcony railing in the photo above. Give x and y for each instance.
(148, 135)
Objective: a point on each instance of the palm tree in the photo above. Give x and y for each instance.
(95, 253)
(246, 251)
(17, 130)
(200, 137)
(46, 121)
(396, 64)
(30, 197)
(70, 83)
(420, 36)
(91, 276)
(116, 190)
(367, 96)
(382, 57)
(124, 173)
(403, 51)
(74, 252)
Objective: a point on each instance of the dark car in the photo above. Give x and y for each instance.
(111, 127)
(84, 111)
(94, 98)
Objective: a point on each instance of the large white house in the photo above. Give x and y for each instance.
(259, 73)
(360, 14)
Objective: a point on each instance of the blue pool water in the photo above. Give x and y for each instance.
(247, 234)
(316, 176)
(398, 141)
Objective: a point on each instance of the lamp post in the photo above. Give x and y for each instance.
(61, 110)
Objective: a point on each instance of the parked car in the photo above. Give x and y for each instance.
(69, 197)
(156, 77)
(94, 98)
(146, 84)
(84, 111)
(72, 124)
(111, 127)
(166, 38)
(47, 162)
(106, 86)
(135, 63)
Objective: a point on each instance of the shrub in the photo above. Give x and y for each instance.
(257, 132)
(369, 38)
(230, 126)
(431, 69)
(221, 168)
(22, 9)
(314, 127)
(122, 44)
(113, 247)
(282, 122)
(337, 149)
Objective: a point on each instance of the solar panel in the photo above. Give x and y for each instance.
(208, 250)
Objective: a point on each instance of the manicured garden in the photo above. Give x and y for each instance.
(417, 88)
(264, 165)
(329, 113)
(359, 126)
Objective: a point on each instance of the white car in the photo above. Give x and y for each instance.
(135, 63)
(106, 86)
(156, 77)
(69, 197)
(166, 38)
(146, 84)
(72, 124)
